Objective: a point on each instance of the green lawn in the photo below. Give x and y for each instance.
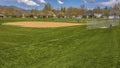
(64, 47)
(69, 20)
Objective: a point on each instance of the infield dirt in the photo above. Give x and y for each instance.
(42, 24)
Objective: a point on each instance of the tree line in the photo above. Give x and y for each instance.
(48, 11)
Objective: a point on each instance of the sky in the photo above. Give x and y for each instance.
(56, 4)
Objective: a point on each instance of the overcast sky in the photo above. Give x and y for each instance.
(28, 4)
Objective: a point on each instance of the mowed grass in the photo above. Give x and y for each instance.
(67, 20)
(64, 47)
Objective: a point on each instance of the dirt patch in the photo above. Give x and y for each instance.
(42, 24)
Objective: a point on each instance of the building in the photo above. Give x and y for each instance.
(98, 15)
(2, 16)
(114, 14)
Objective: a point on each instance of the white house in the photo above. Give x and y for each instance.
(98, 15)
(113, 14)
(112, 17)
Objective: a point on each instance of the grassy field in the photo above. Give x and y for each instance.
(65, 47)
(69, 20)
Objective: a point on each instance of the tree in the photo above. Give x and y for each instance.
(47, 7)
(118, 5)
(97, 10)
(82, 10)
(47, 10)
(62, 11)
(115, 10)
(35, 11)
(106, 11)
(72, 12)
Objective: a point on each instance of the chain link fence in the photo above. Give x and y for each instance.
(101, 23)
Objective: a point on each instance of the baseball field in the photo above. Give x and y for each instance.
(69, 45)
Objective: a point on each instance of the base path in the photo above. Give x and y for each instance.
(42, 24)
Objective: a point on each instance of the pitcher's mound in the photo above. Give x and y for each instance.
(42, 24)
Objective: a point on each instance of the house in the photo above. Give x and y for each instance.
(98, 15)
(114, 14)
(111, 16)
(2, 16)
(79, 17)
(89, 14)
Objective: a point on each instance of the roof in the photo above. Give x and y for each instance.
(2, 15)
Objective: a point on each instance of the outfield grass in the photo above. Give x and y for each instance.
(69, 20)
(65, 47)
